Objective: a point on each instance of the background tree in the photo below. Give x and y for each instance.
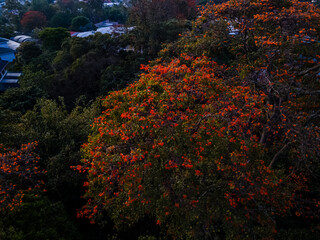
(14, 10)
(6, 29)
(151, 17)
(67, 5)
(52, 38)
(81, 23)
(37, 218)
(60, 19)
(39, 5)
(32, 20)
(21, 99)
(13, 5)
(44, 7)
(93, 10)
(9, 132)
(60, 135)
(116, 13)
(99, 53)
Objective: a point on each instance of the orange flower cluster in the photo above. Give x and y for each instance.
(19, 174)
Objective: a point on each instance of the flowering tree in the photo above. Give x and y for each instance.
(19, 174)
(216, 150)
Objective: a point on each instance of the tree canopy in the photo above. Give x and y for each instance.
(52, 38)
(227, 142)
(32, 20)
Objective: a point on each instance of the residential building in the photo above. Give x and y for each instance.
(7, 54)
(7, 79)
(7, 49)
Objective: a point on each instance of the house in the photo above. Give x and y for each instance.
(7, 79)
(7, 49)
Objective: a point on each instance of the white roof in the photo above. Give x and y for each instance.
(13, 74)
(105, 30)
(21, 38)
(9, 80)
(13, 45)
(110, 4)
(85, 34)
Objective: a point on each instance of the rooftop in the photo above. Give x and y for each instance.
(5, 50)
(13, 45)
(13, 75)
(22, 38)
(3, 40)
(8, 80)
(105, 23)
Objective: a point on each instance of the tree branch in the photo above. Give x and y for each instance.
(308, 70)
(199, 122)
(278, 154)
